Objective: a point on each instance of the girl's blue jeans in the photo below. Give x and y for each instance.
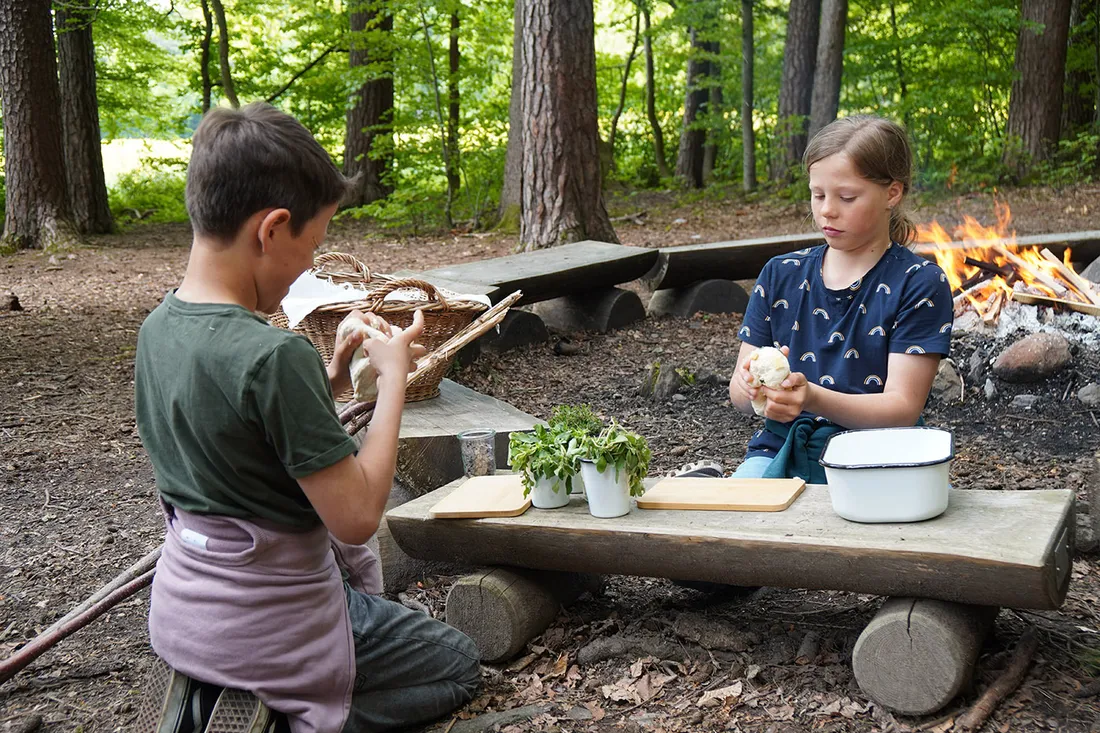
(753, 467)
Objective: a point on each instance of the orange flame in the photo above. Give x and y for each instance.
(996, 247)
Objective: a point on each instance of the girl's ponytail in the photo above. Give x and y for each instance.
(902, 229)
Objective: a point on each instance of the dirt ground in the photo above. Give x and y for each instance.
(77, 497)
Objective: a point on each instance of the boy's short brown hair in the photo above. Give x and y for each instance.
(254, 158)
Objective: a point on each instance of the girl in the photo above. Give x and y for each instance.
(862, 320)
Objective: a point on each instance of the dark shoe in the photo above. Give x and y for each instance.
(174, 702)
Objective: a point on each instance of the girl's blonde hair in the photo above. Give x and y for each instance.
(880, 151)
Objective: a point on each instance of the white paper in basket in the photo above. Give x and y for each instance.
(310, 292)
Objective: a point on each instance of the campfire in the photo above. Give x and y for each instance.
(986, 269)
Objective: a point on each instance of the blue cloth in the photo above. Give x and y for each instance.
(803, 442)
(842, 339)
(753, 467)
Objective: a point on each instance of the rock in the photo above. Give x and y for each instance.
(976, 366)
(1092, 272)
(1090, 394)
(947, 386)
(706, 376)
(990, 389)
(1033, 358)
(661, 382)
(1025, 401)
(1084, 539)
(10, 302)
(679, 397)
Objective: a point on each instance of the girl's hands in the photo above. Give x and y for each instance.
(395, 351)
(788, 401)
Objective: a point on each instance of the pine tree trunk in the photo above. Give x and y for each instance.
(1035, 104)
(796, 86)
(748, 134)
(228, 88)
(1077, 110)
(37, 208)
(453, 179)
(689, 161)
(651, 104)
(562, 198)
(81, 144)
(204, 56)
(829, 67)
(511, 191)
(368, 145)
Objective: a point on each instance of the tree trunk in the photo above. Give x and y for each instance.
(228, 88)
(1035, 104)
(511, 192)
(1077, 111)
(650, 102)
(714, 113)
(622, 87)
(37, 210)
(796, 86)
(453, 179)
(689, 161)
(204, 55)
(829, 66)
(562, 200)
(748, 134)
(81, 144)
(368, 147)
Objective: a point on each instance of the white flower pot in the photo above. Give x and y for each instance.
(578, 485)
(543, 495)
(608, 496)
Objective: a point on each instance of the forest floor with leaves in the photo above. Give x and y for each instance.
(77, 500)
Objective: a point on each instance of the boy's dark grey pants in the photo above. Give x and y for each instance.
(409, 668)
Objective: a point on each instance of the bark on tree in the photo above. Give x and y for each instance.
(511, 191)
(37, 209)
(796, 85)
(81, 144)
(228, 89)
(651, 104)
(1035, 103)
(748, 134)
(622, 87)
(1077, 109)
(828, 69)
(714, 114)
(368, 150)
(689, 160)
(562, 197)
(453, 56)
(204, 55)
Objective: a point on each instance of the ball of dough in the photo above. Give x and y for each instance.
(769, 368)
(364, 377)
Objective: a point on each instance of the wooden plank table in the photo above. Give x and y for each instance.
(554, 272)
(945, 576)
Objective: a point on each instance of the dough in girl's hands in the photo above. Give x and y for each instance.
(767, 367)
(364, 377)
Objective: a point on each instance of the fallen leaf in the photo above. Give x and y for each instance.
(597, 712)
(714, 698)
(560, 666)
(752, 671)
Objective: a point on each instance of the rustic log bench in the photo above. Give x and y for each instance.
(945, 577)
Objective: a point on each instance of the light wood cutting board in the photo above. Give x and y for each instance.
(723, 494)
(484, 496)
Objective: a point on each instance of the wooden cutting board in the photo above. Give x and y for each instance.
(723, 494)
(484, 496)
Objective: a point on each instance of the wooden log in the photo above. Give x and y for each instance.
(554, 272)
(502, 609)
(1036, 273)
(997, 548)
(1080, 284)
(917, 654)
(596, 310)
(705, 296)
(743, 259)
(519, 328)
(1073, 305)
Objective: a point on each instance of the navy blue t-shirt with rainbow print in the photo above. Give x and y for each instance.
(841, 339)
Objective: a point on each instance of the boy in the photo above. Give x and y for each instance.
(262, 493)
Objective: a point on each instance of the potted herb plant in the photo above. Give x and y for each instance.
(580, 421)
(548, 459)
(613, 464)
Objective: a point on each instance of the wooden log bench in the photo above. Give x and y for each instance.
(945, 578)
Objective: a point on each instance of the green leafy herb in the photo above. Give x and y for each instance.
(621, 448)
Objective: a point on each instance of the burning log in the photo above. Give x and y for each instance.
(1083, 287)
(989, 267)
(993, 306)
(1032, 272)
(1073, 305)
(972, 294)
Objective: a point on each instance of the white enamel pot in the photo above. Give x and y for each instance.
(608, 496)
(543, 495)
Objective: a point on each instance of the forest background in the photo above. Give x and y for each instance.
(712, 96)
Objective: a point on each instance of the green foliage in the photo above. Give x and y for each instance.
(545, 453)
(576, 419)
(152, 193)
(624, 450)
(1075, 160)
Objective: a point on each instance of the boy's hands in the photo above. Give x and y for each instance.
(394, 355)
(346, 343)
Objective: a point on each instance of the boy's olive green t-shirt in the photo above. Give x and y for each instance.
(232, 411)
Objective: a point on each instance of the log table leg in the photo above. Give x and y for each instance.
(917, 654)
(503, 608)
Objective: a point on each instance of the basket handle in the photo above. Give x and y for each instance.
(361, 271)
(379, 294)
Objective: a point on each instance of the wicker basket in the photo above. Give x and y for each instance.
(442, 318)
